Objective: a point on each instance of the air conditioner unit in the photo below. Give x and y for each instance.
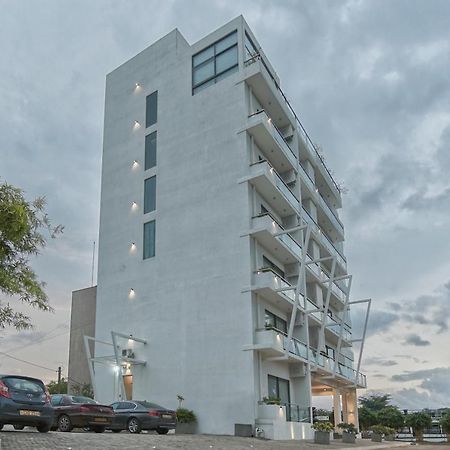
(127, 353)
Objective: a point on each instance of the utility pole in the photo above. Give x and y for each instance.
(59, 380)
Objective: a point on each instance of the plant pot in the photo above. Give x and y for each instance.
(348, 438)
(321, 437)
(186, 428)
(337, 435)
(376, 437)
(389, 437)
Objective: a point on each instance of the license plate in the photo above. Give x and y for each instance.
(99, 419)
(26, 412)
(166, 416)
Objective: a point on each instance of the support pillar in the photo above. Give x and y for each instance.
(350, 406)
(337, 407)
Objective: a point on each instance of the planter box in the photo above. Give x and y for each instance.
(377, 437)
(349, 438)
(186, 428)
(243, 430)
(337, 435)
(389, 437)
(321, 437)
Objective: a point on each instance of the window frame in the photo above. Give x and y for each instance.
(154, 240)
(213, 58)
(149, 138)
(147, 124)
(153, 204)
(276, 321)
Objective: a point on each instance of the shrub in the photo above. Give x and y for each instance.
(391, 417)
(323, 426)
(348, 428)
(378, 429)
(271, 400)
(445, 422)
(185, 415)
(418, 422)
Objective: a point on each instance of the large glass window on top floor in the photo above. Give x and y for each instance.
(215, 62)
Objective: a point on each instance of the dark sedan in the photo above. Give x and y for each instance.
(76, 411)
(24, 402)
(136, 416)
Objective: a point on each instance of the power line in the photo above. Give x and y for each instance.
(28, 362)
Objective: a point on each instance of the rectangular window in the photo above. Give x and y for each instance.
(215, 62)
(279, 388)
(271, 320)
(151, 111)
(149, 195)
(250, 48)
(149, 239)
(150, 151)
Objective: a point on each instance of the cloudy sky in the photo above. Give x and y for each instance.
(370, 81)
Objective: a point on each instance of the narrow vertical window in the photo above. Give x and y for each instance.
(151, 115)
(149, 195)
(150, 150)
(149, 239)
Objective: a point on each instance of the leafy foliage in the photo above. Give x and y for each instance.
(391, 417)
(347, 427)
(84, 390)
(445, 422)
(186, 415)
(22, 224)
(375, 403)
(323, 426)
(54, 389)
(271, 400)
(418, 422)
(367, 418)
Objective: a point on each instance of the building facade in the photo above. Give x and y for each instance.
(221, 274)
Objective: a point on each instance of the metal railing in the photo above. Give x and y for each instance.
(277, 135)
(303, 132)
(280, 283)
(297, 413)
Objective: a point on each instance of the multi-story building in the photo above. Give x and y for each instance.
(221, 274)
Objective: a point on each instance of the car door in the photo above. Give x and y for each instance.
(121, 414)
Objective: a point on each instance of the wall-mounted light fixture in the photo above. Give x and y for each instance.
(134, 206)
(131, 294)
(135, 164)
(136, 124)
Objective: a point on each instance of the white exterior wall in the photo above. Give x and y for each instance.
(188, 303)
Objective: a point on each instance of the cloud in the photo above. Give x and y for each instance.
(379, 361)
(415, 339)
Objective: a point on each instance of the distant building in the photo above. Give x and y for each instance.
(82, 323)
(221, 271)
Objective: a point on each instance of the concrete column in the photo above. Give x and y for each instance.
(337, 407)
(309, 169)
(350, 405)
(311, 208)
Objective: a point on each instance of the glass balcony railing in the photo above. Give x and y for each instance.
(305, 137)
(335, 326)
(279, 283)
(311, 307)
(331, 214)
(325, 239)
(278, 137)
(297, 413)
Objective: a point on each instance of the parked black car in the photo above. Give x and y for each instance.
(76, 411)
(136, 416)
(25, 402)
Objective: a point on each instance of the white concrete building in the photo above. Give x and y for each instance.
(221, 269)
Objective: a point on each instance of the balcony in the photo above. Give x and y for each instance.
(273, 343)
(324, 240)
(265, 229)
(331, 216)
(271, 142)
(271, 286)
(268, 90)
(272, 187)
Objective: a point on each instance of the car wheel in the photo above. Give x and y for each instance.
(98, 429)
(116, 431)
(19, 427)
(64, 424)
(1, 426)
(43, 428)
(162, 430)
(134, 426)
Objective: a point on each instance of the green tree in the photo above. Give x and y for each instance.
(391, 417)
(84, 389)
(445, 422)
(22, 228)
(367, 418)
(375, 402)
(53, 387)
(418, 422)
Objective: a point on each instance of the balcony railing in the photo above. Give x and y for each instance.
(280, 283)
(308, 142)
(335, 326)
(297, 413)
(331, 214)
(278, 136)
(326, 240)
(280, 184)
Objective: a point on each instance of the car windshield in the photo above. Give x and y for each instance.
(149, 405)
(79, 399)
(23, 384)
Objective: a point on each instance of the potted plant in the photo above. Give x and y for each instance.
(377, 433)
(348, 432)
(186, 421)
(271, 400)
(322, 432)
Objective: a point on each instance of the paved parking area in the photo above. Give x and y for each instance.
(30, 439)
